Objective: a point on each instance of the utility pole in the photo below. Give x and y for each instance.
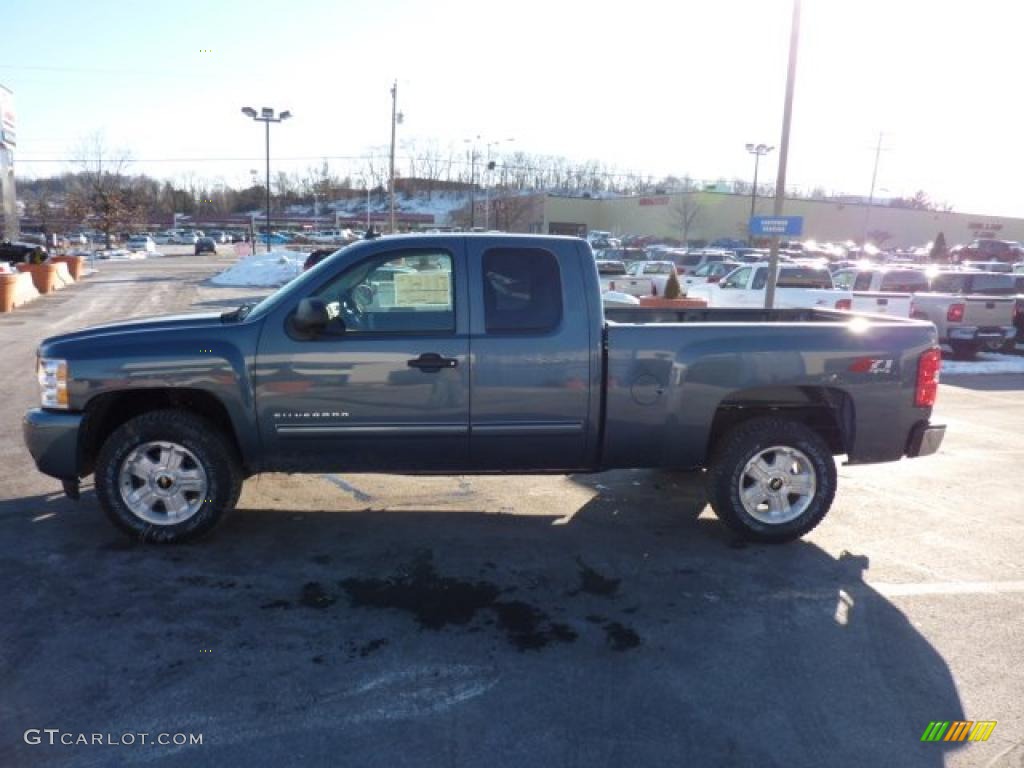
(757, 150)
(266, 116)
(780, 182)
(394, 122)
(472, 187)
(871, 197)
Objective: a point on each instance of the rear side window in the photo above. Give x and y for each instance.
(522, 290)
(993, 284)
(905, 281)
(804, 277)
(948, 283)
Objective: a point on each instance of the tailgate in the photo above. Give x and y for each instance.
(988, 311)
(882, 303)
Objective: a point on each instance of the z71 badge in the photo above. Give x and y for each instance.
(872, 365)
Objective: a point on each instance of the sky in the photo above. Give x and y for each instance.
(656, 87)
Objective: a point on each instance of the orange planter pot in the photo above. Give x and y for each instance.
(44, 276)
(8, 289)
(76, 265)
(659, 302)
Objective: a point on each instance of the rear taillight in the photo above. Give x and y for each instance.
(844, 304)
(654, 289)
(955, 313)
(928, 366)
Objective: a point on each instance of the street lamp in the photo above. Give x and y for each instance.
(758, 151)
(487, 187)
(266, 116)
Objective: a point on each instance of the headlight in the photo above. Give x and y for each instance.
(53, 383)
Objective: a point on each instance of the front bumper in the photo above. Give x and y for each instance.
(925, 439)
(52, 439)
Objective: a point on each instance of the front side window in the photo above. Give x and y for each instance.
(522, 291)
(843, 279)
(409, 291)
(737, 279)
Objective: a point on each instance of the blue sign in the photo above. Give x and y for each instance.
(769, 226)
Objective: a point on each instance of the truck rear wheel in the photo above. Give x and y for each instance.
(167, 476)
(771, 479)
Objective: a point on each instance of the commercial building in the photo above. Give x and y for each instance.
(713, 215)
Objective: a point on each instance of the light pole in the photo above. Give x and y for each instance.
(487, 187)
(396, 118)
(758, 151)
(266, 116)
(472, 181)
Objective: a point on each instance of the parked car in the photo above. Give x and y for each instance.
(796, 286)
(322, 377)
(161, 238)
(218, 236)
(205, 245)
(968, 315)
(693, 259)
(987, 249)
(186, 238)
(657, 272)
(610, 273)
(887, 291)
(140, 243)
(17, 252)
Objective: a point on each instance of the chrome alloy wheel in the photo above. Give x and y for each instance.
(162, 483)
(777, 485)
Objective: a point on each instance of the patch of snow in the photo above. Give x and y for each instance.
(619, 299)
(263, 270)
(5, 268)
(987, 363)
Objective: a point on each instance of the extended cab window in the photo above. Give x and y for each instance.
(993, 285)
(948, 284)
(804, 277)
(905, 281)
(760, 278)
(406, 291)
(862, 282)
(522, 291)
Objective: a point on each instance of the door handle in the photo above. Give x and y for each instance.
(431, 362)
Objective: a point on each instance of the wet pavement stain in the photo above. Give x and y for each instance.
(595, 583)
(621, 637)
(314, 596)
(439, 601)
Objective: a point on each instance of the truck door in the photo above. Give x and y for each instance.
(530, 340)
(386, 387)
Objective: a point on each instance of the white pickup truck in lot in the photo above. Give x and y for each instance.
(882, 291)
(798, 286)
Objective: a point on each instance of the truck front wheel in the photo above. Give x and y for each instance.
(771, 479)
(167, 476)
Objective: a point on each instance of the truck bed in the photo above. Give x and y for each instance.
(643, 315)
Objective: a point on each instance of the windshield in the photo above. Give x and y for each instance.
(306, 280)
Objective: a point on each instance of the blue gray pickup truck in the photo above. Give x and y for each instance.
(462, 354)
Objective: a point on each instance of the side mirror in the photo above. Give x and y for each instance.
(311, 316)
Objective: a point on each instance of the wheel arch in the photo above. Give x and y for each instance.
(106, 412)
(828, 411)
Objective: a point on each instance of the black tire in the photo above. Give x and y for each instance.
(213, 452)
(964, 350)
(741, 444)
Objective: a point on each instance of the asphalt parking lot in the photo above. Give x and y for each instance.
(509, 621)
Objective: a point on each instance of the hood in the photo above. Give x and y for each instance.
(140, 325)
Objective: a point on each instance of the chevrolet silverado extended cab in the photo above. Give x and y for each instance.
(971, 310)
(798, 285)
(886, 291)
(477, 354)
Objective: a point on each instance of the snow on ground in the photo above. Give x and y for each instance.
(987, 363)
(264, 269)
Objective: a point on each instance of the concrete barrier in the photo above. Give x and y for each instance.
(16, 289)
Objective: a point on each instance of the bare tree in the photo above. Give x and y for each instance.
(686, 210)
(103, 194)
